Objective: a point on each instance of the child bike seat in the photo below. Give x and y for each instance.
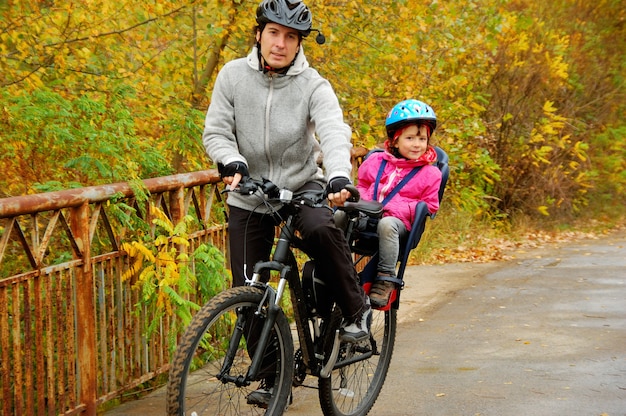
(373, 209)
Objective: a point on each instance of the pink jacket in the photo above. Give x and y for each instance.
(424, 186)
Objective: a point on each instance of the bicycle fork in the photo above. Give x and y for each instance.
(271, 298)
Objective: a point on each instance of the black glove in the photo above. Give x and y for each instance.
(337, 183)
(232, 168)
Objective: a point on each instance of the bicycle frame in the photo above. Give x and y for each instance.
(285, 263)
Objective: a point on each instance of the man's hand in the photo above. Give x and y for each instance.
(233, 181)
(338, 198)
(232, 173)
(337, 192)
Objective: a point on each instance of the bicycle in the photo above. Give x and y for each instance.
(225, 350)
(212, 374)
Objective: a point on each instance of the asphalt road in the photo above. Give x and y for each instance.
(543, 334)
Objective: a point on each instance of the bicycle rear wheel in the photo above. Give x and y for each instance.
(200, 383)
(358, 377)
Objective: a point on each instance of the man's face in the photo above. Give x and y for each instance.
(279, 45)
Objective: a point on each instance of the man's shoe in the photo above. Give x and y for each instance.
(261, 396)
(359, 329)
(381, 292)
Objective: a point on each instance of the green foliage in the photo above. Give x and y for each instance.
(171, 281)
(609, 171)
(48, 139)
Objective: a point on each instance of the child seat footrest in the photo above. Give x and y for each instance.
(392, 279)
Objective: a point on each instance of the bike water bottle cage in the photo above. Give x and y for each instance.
(316, 292)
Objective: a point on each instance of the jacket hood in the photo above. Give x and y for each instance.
(299, 64)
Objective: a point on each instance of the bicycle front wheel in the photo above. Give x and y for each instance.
(208, 375)
(361, 369)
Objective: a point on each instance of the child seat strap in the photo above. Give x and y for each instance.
(396, 188)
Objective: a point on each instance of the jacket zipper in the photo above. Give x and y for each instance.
(266, 139)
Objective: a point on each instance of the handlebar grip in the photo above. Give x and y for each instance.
(356, 195)
(247, 186)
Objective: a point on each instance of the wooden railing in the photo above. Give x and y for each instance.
(70, 337)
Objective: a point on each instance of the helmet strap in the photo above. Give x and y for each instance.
(265, 68)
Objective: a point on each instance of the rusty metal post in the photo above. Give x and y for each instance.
(177, 210)
(85, 312)
(177, 204)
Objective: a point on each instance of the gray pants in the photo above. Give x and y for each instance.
(391, 231)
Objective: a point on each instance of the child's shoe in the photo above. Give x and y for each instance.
(381, 292)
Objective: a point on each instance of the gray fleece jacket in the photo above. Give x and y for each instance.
(279, 126)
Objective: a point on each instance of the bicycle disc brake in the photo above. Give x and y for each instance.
(299, 369)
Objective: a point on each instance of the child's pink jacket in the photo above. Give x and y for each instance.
(422, 187)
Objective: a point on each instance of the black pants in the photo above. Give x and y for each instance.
(252, 236)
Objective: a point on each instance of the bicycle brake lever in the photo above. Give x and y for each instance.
(248, 186)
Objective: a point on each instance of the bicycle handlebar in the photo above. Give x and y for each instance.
(249, 186)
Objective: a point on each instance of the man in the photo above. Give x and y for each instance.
(264, 114)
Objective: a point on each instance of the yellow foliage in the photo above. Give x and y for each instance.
(161, 240)
(558, 68)
(146, 276)
(487, 68)
(543, 210)
(180, 240)
(548, 107)
(136, 263)
(157, 272)
(579, 151)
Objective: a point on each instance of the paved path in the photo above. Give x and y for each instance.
(542, 335)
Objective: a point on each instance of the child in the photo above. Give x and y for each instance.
(405, 164)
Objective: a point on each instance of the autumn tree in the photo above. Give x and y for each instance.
(554, 91)
(529, 95)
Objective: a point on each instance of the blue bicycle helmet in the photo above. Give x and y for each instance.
(290, 13)
(410, 112)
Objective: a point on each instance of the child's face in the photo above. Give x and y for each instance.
(413, 142)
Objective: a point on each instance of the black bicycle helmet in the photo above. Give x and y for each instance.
(290, 13)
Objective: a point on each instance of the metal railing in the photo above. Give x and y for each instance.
(70, 337)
